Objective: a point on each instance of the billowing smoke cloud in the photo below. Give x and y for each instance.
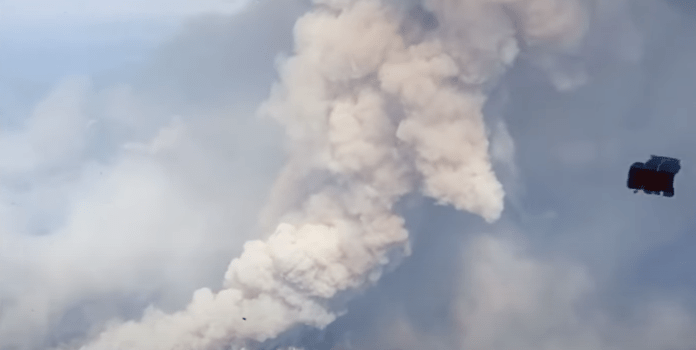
(118, 195)
(369, 116)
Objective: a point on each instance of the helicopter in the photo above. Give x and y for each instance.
(654, 176)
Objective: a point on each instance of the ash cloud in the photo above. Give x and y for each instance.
(399, 118)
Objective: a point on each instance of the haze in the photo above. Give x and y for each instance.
(227, 175)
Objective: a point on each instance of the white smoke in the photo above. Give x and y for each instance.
(368, 118)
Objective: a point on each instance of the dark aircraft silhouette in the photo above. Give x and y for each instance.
(655, 176)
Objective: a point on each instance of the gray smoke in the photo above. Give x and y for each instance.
(371, 113)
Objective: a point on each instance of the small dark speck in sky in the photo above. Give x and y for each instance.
(244, 318)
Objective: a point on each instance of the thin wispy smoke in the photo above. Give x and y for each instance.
(369, 117)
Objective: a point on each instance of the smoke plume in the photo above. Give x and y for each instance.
(372, 112)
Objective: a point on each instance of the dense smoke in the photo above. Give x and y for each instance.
(372, 111)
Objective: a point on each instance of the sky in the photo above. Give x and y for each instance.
(148, 150)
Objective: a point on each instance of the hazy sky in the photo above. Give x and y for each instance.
(37, 12)
(133, 169)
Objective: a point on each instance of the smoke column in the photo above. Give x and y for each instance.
(372, 111)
